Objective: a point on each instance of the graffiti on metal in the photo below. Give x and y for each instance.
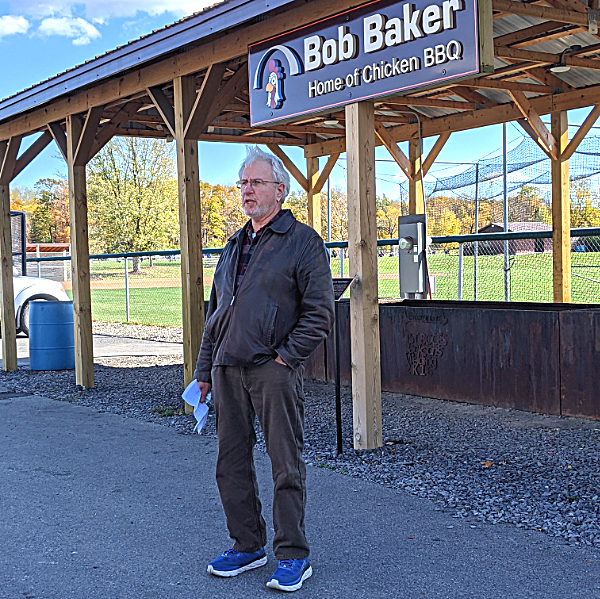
(423, 351)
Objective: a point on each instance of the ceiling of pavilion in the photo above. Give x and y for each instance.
(529, 38)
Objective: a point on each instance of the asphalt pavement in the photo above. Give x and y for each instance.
(99, 506)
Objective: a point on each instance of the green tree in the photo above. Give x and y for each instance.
(132, 197)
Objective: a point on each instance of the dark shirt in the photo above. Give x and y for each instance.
(250, 241)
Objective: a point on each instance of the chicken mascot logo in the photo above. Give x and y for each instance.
(274, 87)
(275, 96)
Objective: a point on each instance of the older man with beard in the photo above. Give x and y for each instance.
(270, 306)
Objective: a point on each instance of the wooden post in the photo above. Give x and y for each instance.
(192, 282)
(313, 197)
(80, 257)
(7, 310)
(561, 213)
(362, 250)
(416, 200)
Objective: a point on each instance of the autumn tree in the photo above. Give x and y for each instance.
(132, 197)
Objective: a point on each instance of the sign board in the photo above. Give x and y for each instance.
(339, 287)
(378, 49)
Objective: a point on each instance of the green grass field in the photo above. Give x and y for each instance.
(530, 280)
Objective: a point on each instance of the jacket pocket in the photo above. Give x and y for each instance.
(269, 330)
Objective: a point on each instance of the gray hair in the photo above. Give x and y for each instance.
(280, 174)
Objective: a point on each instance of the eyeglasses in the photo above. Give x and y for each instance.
(254, 183)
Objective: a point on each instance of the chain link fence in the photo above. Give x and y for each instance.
(145, 288)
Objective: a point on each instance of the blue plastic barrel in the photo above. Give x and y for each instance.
(51, 337)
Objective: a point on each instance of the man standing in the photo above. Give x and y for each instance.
(271, 304)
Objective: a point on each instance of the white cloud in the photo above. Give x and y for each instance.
(9, 25)
(78, 29)
(95, 9)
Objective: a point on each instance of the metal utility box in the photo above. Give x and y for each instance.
(412, 245)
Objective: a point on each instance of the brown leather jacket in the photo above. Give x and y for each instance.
(284, 304)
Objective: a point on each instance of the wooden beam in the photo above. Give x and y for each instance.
(505, 85)
(325, 173)
(546, 58)
(291, 167)
(313, 197)
(501, 113)
(550, 79)
(163, 105)
(203, 100)
(7, 308)
(528, 34)
(450, 104)
(220, 101)
(416, 197)
(88, 135)
(540, 12)
(526, 126)
(59, 136)
(362, 251)
(8, 157)
(561, 214)
(472, 95)
(396, 153)
(80, 259)
(583, 130)
(543, 135)
(190, 220)
(9, 160)
(31, 152)
(110, 129)
(435, 151)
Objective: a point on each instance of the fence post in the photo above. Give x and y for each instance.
(460, 270)
(126, 289)
(37, 253)
(342, 262)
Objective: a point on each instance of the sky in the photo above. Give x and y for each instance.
(41, 39)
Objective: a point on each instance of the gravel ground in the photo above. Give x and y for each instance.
(486, 464)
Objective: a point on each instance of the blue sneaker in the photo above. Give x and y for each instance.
(290, 574)
(232, 562)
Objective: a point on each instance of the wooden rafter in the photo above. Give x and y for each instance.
(225, 95)
(535, 34)
(325, 173)
(541, 133)
(9, 159)
(110, 129)
(545, 58)
(540, 12)
(294, 171)
(581, 133)
(88, 136)
(59, 136)
(32, 152)
(472, 95)
(450, 104)
(396, 153)
(435, 151)
(506, 85)
(164, 107)
(204, 98)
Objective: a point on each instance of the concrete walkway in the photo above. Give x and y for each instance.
(108, 346)
(98, 506)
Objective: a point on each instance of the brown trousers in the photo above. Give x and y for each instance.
(274, 394)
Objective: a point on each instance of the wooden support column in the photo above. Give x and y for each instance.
(416, 199)
(362, 251)
(80, 255)
(561, 212)
(313, 198)
(8, 157)
(192, 278)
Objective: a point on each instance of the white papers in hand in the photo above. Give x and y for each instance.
(191, 395)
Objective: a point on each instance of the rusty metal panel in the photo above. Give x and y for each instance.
(489, 355)
(580, 362)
